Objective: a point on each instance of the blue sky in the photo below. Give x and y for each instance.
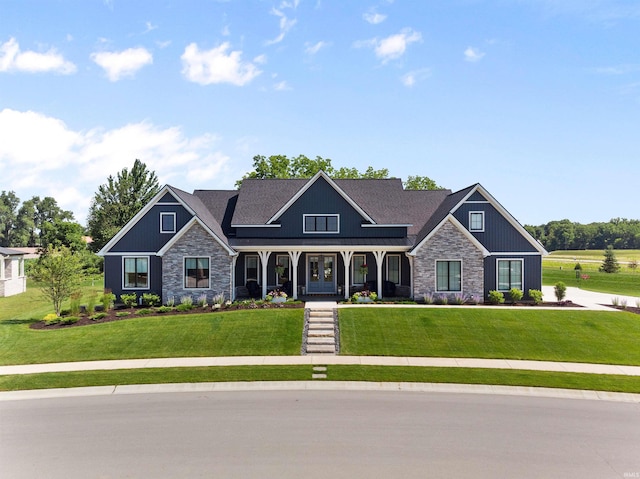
(537, 100)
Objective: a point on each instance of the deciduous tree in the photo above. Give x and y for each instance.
(58, 273)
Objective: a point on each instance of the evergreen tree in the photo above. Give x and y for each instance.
(610, 263)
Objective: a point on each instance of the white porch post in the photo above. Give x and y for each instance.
(232, 293)
(411, 261)
(346, 256)
(379, 255)
(264, 260)
(295, 258)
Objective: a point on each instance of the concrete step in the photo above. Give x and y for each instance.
(317, 312)
(320, 326)
(321, 321)
(316, 333)
(321, 340)
(321, 348)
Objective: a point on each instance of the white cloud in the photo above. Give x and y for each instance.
(149, 27)
(618, 69)
(122, 64)
(315, 48)
(473, 55)
(12, 59)
(70, 165)
(216, 66)
(393, 46)
(374, 18)
(285, 23)
(282, 86)
(411, 78)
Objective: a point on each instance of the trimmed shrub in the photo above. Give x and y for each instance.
(496, 297)
(107, 300)
(515, 294)
(129, 299)
(98, 316)
(164, 309)
(151, 299)
(535, 295)
(144, 311)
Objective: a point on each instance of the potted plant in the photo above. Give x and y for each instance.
(276, 296)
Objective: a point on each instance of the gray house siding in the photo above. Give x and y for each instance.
(196, 243)
(145, 235)
(448, 243)
(113, 275)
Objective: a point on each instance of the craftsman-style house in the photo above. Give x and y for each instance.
(323, 237)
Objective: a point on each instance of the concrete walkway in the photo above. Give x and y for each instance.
(590, 299)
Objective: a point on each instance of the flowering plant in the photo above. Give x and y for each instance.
(365, 294)
(276, 293)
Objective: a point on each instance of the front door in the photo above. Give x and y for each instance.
(321, 276)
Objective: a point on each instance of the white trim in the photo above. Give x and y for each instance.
(461, 228)
(316, 215)
(169, 244)
(399, 225)
(184, 273)
(522, 286)
(321, 248)
(132, 253)
(442, 260)
(2, 260)
(135, 288)
(477, 202)
(168, 213)
(481, 229)
(175, 203)
(301, 191)
(275, 225)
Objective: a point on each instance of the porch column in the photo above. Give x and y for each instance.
(346, 257)
(232, 293)
(379, 255)
(295, 258)
(411, 261)
(264, 260)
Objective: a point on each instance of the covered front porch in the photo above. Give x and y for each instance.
(335, 274)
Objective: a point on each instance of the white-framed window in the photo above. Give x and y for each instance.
(321, 224)
(251, 267)
(167, 222)
(196, 273)
(135, 272)
(282, 269)
(476, 221)
(449, 275)
(510, 274)
(393, 268)
(358, 262)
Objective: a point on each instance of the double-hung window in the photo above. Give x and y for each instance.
(476, 221)
(135, 272)
(509, 274)
(359, 266)
(282, 269)
(448, 276)
(251, 264)
(196, 273)
(321, 223)
(393, 268)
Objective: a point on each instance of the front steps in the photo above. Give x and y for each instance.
(320, 329)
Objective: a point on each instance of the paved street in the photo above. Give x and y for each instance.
(313, 434)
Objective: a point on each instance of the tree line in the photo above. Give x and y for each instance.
(619, 233)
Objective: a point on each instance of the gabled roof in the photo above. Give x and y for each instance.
(190, 202)
(379, 201)
(454, 201)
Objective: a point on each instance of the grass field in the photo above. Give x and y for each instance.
(559, 266)
(576, 336)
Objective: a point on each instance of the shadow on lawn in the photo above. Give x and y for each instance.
(18, 321)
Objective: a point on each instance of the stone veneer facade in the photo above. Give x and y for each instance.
(196, 243)
(449, 243)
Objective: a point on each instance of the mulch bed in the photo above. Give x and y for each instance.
(628, 309)
(112, 314)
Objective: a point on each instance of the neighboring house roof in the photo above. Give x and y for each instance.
(10, 252)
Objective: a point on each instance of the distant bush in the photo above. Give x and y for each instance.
(560, 290)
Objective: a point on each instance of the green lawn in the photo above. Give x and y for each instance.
(558, 266)
(576, 336)
(234, 333)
